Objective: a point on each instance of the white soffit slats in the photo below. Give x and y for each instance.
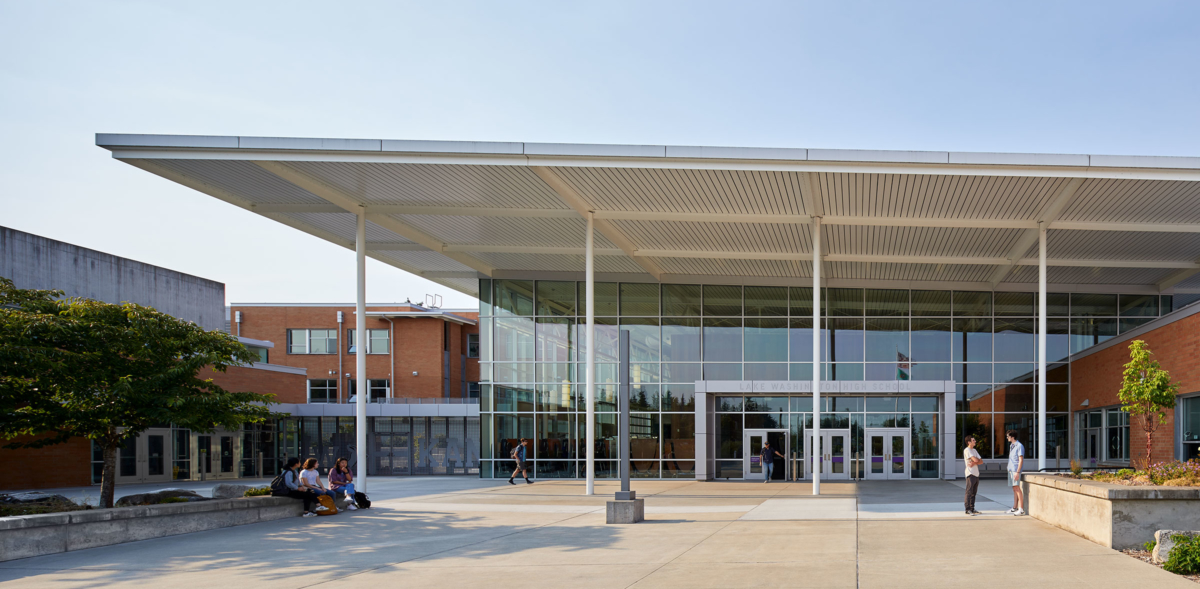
(905, 272)
(243, 179)
(919, 241)
(935, 196)
(1123, 245)
(428, 261)
(505, 230)
(687, 191)
(437, 185)
(719, 237)
(1085, 275)
(1135, 201)
(735, 268)
(558, 263)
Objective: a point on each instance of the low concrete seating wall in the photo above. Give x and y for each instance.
(35, 535)
(1116, 516)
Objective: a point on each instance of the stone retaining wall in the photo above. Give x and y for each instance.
(51, 533)
(1116, 516)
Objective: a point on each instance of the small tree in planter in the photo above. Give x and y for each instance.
(1146, 391)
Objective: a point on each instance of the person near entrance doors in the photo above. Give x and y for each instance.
(767, 455)
(518, 456)
(971, 457)
(1016, 461)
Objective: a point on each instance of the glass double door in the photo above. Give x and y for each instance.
(146, 458)
(216, 455)
(887, 453)
(753, 467)
(829, 455)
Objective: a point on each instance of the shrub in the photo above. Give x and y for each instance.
(1125, 473)
(1076, 468)
(172, 500)
(257, 491)
(1149, 546)
(1185, 556)
(1162, 472)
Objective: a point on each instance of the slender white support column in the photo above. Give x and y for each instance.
(360, 350)
(814, 449)
(590, 381)
(1041, 445)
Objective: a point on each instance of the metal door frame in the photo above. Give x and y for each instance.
(827, 472)
(888, 434)
(748, 456)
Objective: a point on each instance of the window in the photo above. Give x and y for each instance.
(377, 342)
(322, 391)
(312, 341)
(1191, 427)
(378, 386)
(472, 390)
(260, 352)
(1103, 436)
(472, 345)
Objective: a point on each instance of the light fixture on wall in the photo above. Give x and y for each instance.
(414, 373)
(1085, 403)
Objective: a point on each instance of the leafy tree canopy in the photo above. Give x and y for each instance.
(78, 367)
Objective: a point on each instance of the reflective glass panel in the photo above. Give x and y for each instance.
(972, 340)
(681, 340)
(722, 300)
(643, 338)
(886, 303)
(514, 297)
(800, 340)
(765, 371)
(514, 340)
(931, 340)
(722, 338)
(1015, 340)
(679, 436)
(1018, 304)
(639, 299)
(1088, 332)
(553, 339)
(800, 301)
(555, 298)
(845, 340)
(887, 340)
(722, 371)
(485, 297)
(1093, 305)
(643, 397)
(972, 304)
(844, 302)
(766, 340)
(679, 397)
(607, 295)
(766, 301)
(681, 300)
(931, 303)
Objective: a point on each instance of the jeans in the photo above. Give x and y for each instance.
(332, 495)
(972, 488)
(347, 489)
(769, 467)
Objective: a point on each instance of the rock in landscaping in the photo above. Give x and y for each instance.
(32, 497)
(1164, 544)
(157, 497)
(229, 491)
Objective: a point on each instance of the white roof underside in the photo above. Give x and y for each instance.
(457, 211)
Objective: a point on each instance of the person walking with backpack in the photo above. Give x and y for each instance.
(518, 456)
(341, 481)
(287, 484)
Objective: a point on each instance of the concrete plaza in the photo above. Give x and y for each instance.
(458, 532)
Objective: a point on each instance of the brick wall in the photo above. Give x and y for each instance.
(68, 464)
(287, 388)
(1097, 379)
(417, 343)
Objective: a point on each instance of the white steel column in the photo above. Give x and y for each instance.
(590, 380)
(816, 383)
(1041, 445)
(360, 349)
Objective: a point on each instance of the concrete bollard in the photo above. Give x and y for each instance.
(629, 511)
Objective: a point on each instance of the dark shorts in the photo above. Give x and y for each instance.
(521, 465)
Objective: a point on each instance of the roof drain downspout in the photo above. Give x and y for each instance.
(391, 392)
(341, 318)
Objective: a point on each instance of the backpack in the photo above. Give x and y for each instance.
(361, 500)
(279, 485)
(513, 454)
(327, 502)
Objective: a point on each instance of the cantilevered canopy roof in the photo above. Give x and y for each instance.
(455, 211)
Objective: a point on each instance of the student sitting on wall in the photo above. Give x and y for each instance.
(310, 478)
(341, 481)
(287, 484)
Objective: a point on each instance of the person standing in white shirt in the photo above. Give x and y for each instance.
(1016, 462)
(971, 457)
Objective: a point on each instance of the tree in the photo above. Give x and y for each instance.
(1146, 391)
(83, 368)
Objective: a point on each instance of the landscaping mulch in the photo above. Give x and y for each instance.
(1144, 556)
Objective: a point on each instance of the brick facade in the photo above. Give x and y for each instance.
(1096, 378)
(62, 465)
(418, 347)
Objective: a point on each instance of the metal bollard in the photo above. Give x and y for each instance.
(203, 455)
(260, 465)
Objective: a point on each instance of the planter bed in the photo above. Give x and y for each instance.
(1116, 516)
(36, 535)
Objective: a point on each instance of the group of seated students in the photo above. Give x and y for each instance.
(306, 485)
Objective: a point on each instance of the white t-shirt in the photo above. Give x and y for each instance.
(310, 477)
(968, 454)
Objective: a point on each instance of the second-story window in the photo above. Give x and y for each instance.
(377, 342)
(472, 345)
(322, 391)
(312, 341)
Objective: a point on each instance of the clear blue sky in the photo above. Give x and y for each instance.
(1059, 77)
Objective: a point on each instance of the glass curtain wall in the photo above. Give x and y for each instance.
(531, 356)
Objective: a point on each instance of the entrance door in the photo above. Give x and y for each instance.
(752, 466)
(830, 454)
(1092, 448)
(144, 459)
(887, 453)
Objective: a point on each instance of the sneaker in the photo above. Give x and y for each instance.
(527, 482)
(352, 507)
(767, 481)
(973, 512)
(1011, 511)
(510, 482)
(321, 508)
(1019, 512)
(308, 514)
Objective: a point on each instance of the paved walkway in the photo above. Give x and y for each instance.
(439, 532)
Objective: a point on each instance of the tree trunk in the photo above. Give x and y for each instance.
(108, 480)
(1149, 445)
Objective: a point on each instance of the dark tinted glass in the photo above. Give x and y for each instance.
(886, 303)
(639, 300)
(722, 300)
(931, 303)
(681, 300)
(844, 302)
(485, 297)
(1019, 304)
(1139, 305)
(1088, 332)
(1058, 304)
(972, 304)
(1093, 305)
(801, 301)
(555, 298)
(766, 301)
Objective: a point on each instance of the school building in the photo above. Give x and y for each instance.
(862, 309)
